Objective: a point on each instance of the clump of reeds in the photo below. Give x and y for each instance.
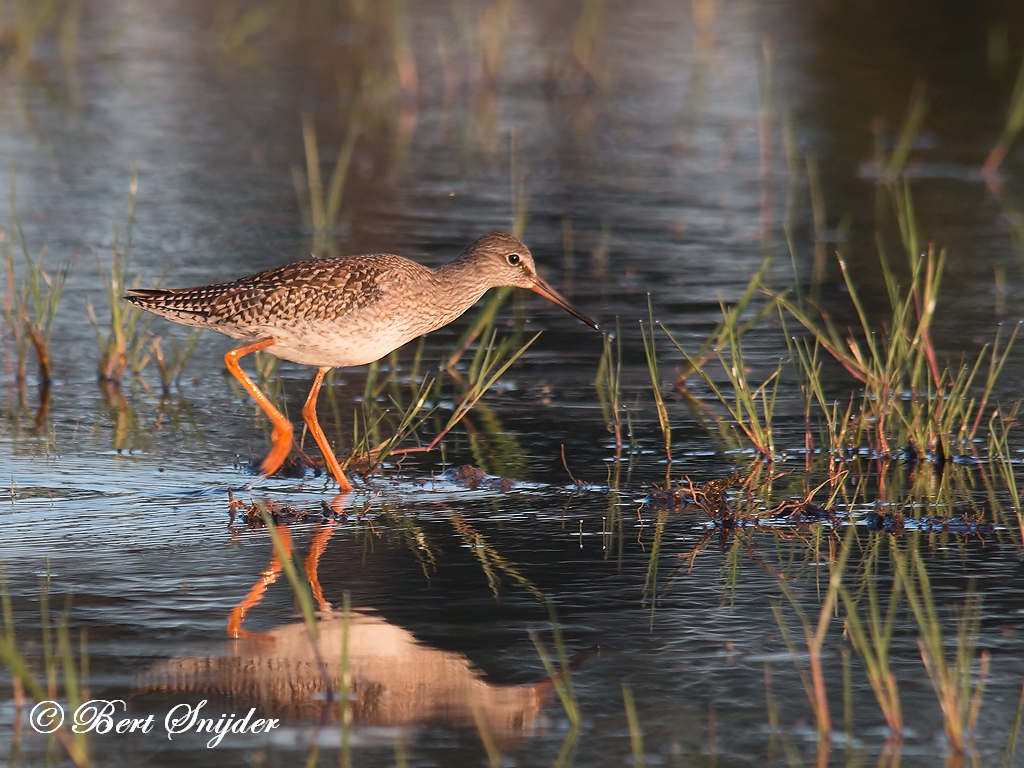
(490, 362)
(814, 638)
(29, 305)
(321, 210)
(608, 385)
(958, 691)
(873, 644)
(62, 671)
(410, 417)
(172, 365)
(751, 407)
(124, 342)
(651, 353)
(1012, 128)
(910, 402)
(561, 677)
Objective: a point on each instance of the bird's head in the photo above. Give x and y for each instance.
(505, 260)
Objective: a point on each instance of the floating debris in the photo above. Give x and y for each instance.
(892, 523)
(293, 467)
(801, 512)
(712, 500)
(475, 479)
(897, 523)
(282, 514)
(709, 498)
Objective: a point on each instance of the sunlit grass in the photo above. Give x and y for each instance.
(999, 461)
(751, 407)
(636, 736)
(124, 342)
(813, 680)
(321, 208)
(872, 645)
(172, 365)
(910, 400)
(651, 353)
(560, 676)
(607, 382)
(490, 362)
(29, 303)
(63, 672)
(1012, 128)
(957, 687)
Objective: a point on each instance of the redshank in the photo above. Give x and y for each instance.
(343, 312)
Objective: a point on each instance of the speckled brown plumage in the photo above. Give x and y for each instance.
(320, 289)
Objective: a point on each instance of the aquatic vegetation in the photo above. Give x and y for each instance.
(958, 690)
(320, 211)
(172, 367)
(1012, 129)
(124, 343)
(410, 418)
(561, 677)
(1011, 741)
(651, 353)
(63, 672)
(607, 382)
(891, 169)
(636, 736)
(872, 646)
(750, 407)
(492, 562)
(489, 364)
(999, 460)
(814, 637)
(908, 398)
(29, 304)
(910, 404)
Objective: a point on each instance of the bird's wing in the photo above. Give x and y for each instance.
(314, 290)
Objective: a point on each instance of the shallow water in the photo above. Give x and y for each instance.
(648, 141)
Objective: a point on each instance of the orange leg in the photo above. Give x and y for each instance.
(309, 414)
(267, 577)
(316, 551)
(282, 434)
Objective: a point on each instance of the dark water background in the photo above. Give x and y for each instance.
(647, 138)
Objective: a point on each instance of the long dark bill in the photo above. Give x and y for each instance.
(555, 297)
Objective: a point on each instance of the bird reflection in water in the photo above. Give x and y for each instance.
(396, 680)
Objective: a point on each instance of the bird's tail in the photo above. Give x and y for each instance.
(188, 306)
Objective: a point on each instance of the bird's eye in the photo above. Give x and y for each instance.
(513, 259)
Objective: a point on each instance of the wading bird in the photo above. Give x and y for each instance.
(342, 312)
